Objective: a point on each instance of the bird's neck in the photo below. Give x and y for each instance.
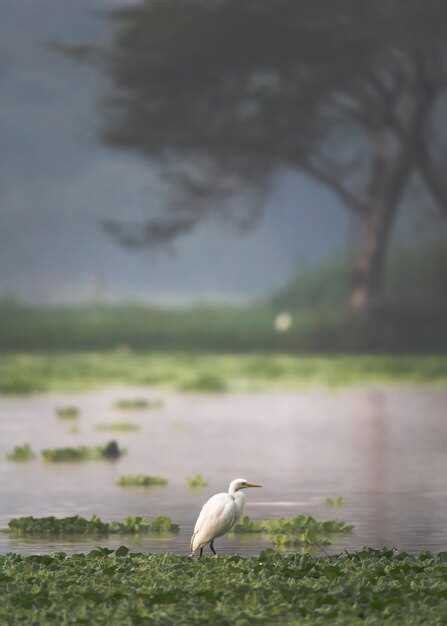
(239, 500)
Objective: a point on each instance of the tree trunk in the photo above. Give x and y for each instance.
(369, 261)
(391, 170)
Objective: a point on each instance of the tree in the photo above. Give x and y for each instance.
(223, 93)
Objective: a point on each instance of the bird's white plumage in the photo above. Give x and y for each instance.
(219, 514)
(216, 518)
(239, 501)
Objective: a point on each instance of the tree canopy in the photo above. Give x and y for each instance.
(223, 93)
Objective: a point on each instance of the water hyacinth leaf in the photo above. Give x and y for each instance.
(301, 530)
(137, 404)
(21, 454)
(68, 412)
(121, 587)
(117, 427)
(141, 480)
(76, 525)
(196, 482)
(83, 453)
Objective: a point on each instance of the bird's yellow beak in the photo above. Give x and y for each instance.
(252, 485)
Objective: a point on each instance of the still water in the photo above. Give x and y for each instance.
(383, 449)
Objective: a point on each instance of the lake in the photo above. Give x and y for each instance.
(384, 449)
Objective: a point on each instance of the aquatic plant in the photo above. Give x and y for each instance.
(205, 383)
(374, 587)
(301, 530)
(21, 454)
(82, 453)
(71, 371)
(336, 503)
(76, 525)
(196, 482)
(117, 427)
(136, 525)
(141, 480)
(68, 412)
(132, 404)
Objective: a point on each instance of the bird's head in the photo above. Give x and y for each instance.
(240, 483)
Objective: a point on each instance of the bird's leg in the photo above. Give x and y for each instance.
(212, 547)
(201, 552)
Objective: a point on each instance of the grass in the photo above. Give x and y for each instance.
(53, 526)
(118, 588)
(137, 404)
(196, 482)
(141, 480)
(21, 454)
(79, 371)
(82, 453)
(120, 427)
(68, 412)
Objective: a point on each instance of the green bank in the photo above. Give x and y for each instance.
(211, 373)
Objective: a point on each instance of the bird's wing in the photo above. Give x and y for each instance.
(216, 517)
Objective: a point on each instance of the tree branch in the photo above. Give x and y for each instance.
(351, 200)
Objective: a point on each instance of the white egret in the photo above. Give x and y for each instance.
(218, 515)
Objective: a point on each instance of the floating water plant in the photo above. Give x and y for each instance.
(196, 482)
(123, 427)
(138, 404)
(302, 530)
(375, 587)
(75, 525)
(21, 454)
(82, 453)
(68, 412)
(137, 525)
(205, 383)
(141, 480)
(335, 503)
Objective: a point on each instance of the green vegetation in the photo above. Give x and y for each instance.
(302, 530)
(115, 588)
(82, 453)
(52, 526)
(205, 383)
(248, 372)
(141, 480)
(336, 503)
(196, 482)
(68, 412)
(21, 454)
(132, 404)
(411, 320)
(416, 278)
(123, 427)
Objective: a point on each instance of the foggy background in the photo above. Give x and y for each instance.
(57, 182)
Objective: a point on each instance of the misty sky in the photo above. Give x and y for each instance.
(57, 182)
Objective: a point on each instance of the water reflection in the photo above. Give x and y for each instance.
(383, 450)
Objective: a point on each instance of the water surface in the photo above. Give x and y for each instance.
(383, 449)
